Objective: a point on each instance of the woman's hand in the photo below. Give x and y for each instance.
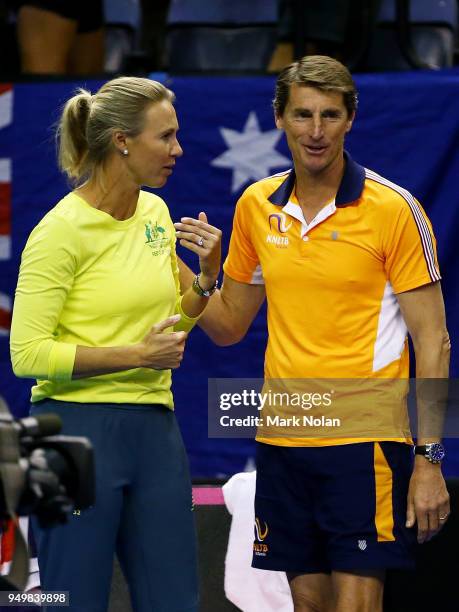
(158, 351)
(204, 240)
(162, 351)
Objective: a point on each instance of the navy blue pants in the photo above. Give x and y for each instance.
(143, 512)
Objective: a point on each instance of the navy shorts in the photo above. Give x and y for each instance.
(142, 511)
(343, 508)
(87, 13)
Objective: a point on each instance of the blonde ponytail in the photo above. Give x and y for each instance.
(72, 138)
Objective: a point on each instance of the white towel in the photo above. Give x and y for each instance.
(250, 589)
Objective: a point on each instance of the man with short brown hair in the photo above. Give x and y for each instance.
(347, 262)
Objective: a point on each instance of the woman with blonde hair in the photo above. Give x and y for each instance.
(100, 322)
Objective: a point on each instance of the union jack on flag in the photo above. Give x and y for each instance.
(5, 314)
(6, 118)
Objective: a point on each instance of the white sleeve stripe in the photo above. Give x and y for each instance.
(257, 276)
(421, 223)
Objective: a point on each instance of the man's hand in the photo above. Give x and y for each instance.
(163, 351)
(428, 499)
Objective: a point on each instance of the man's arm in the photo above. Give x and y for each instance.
(424, 313)
(230, 311)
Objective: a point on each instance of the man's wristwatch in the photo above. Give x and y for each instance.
(434, 452)
(203, 292)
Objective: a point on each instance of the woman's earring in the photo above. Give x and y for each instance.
(125, 152)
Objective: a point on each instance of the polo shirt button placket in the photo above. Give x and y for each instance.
(304, 246)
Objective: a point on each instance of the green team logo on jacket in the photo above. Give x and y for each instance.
(157, 238)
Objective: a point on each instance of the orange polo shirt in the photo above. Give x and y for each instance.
(331, 284)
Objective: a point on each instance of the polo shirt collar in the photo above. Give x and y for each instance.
(349, 191)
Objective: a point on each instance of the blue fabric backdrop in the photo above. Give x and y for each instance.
(407, 129)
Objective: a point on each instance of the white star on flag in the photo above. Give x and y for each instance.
(251, 153)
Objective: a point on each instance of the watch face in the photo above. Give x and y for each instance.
(436, 452)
